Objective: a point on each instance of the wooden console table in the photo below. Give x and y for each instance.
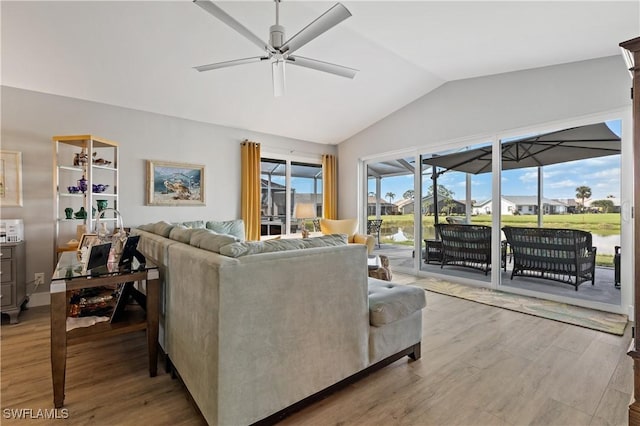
(69, 276)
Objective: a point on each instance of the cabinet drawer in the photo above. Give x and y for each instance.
(6, 253)
(6, 271)
(7, 296)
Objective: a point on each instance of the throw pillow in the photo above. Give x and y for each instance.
(181, 233)
(194, 224)
(229, 227)
(209, 240)
(254, 247)
(325, 241)
(162, 228)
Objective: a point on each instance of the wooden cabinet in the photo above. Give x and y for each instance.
(12, 279)
(85, 179)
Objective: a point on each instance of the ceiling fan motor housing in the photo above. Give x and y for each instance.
(276, 38)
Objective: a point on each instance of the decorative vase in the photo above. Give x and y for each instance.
(82, 184)
(102, 204)
(81, 214)
(68, 212)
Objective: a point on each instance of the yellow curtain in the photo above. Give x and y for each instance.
(329, 186)
(250, 206)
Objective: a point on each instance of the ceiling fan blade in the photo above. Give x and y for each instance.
(277, 68)
(230, 63)
(322, 66)
(210, 7)
(324, 22)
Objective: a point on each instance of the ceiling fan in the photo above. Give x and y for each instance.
(278, 51)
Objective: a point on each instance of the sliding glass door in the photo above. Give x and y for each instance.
(291, 195)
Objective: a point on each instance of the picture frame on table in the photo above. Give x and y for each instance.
(87, 240)
(175, 184)
(10, 178)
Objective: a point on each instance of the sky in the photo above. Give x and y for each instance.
(601, 174)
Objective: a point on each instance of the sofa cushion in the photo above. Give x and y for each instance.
(325, 241)
(194, 224)
(181, 233)
(207, 239)
(389, 302)
(255, 247)
(229, 227)
(161, 228)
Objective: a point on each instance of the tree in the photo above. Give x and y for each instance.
(445, 199)
(583, 192)
(390, 196)
(605, 205)
(408, 194)
(372, 194)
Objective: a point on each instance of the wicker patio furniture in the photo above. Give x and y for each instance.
(563, 255)
(465, 245)
(373, 228)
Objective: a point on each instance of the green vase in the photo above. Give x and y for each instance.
(102, 204)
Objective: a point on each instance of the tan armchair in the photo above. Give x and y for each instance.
(349, 227)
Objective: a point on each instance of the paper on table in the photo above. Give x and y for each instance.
(83, 322)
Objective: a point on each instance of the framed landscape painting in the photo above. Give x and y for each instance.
(175, 184)
(10, 179)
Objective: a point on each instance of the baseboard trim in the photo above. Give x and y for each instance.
(39, 299)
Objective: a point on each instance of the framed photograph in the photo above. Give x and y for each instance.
(175, 184)
(10, 179)
(87, 241)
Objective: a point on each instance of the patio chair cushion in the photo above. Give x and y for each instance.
(342, 226)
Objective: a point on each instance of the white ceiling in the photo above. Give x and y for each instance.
(140, 55)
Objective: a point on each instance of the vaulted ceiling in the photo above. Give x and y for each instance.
(140, 55)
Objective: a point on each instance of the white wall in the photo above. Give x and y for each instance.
(30, 119)
(486, 106)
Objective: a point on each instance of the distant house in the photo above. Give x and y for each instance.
(614, 200)
(386, 208)
(405, 206)
(522, 204)
(573, 206)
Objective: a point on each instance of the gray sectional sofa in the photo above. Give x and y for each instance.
(257, 328)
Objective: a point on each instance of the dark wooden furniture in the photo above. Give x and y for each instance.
(633, 47)
(465, 245)
(432, 251)
(69, 276)
(13, 293)
(616, 267)
(373, 228)
(563, 255)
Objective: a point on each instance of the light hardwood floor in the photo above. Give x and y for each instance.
(480, 365)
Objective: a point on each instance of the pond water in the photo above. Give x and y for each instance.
(604, 243)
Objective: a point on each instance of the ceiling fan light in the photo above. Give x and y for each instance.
(277, 68)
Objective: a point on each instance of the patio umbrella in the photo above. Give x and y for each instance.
(577, 143)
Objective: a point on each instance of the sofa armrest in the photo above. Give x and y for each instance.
(368, 240)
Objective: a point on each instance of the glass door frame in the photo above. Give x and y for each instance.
(626, 197)
(288, 159)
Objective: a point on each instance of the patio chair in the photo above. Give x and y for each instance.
(373, 228)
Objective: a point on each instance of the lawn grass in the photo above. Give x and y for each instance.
(600, 223)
